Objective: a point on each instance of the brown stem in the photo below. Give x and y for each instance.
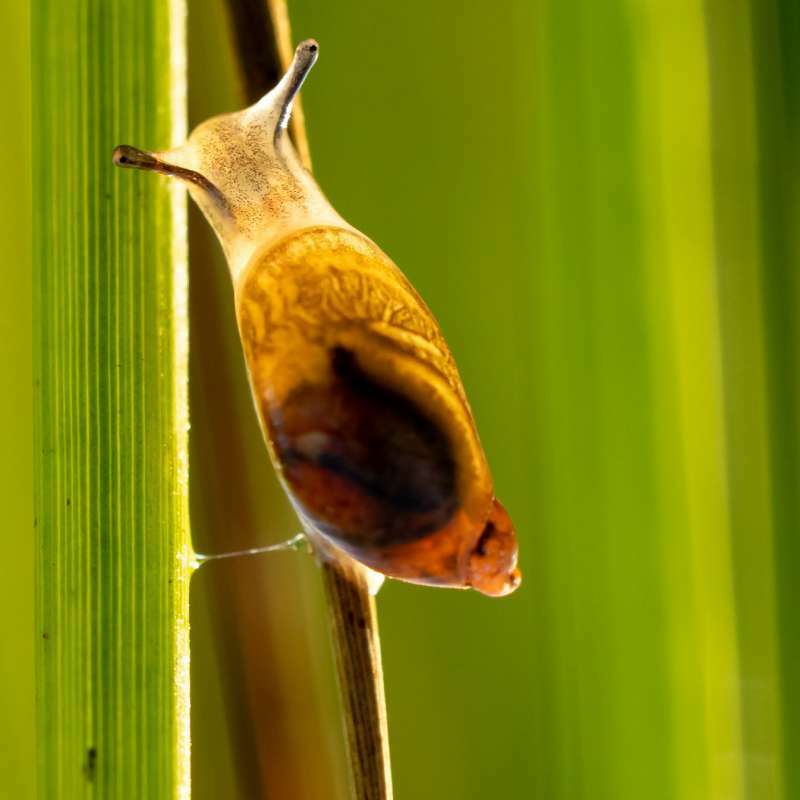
(264, 48)
(354, 626)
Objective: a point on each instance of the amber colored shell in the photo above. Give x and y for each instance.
(365, 415)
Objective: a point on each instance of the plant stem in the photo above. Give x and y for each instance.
(264, 49)
(354, 625)
(110, 280)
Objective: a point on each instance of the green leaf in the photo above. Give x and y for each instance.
(110, 403)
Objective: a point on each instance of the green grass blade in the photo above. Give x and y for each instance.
(677, 182)
(110, 373)
(776, 27)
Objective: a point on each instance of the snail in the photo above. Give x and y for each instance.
(360, 402)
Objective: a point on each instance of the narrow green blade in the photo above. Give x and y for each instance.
(110, 404)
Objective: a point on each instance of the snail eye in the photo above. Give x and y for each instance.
(364, 462)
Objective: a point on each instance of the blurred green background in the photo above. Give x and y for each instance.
(600, 201)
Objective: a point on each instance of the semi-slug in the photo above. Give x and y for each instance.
(361, 405)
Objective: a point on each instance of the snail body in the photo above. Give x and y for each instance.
(361, 405)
